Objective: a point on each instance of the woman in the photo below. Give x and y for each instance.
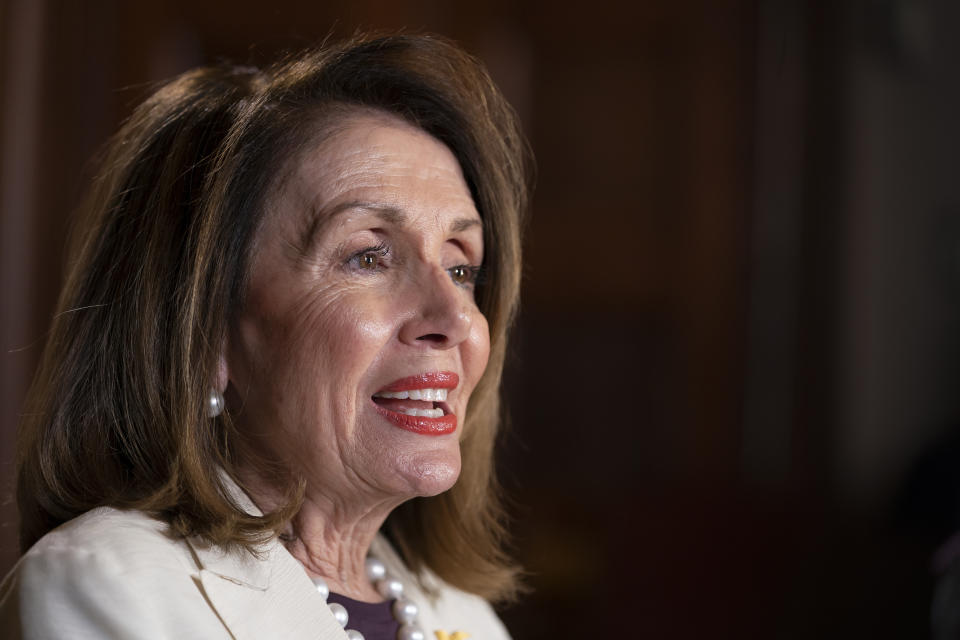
(272, 380)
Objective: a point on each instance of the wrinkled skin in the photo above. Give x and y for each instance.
(356, 281)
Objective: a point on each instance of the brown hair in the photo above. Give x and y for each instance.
(116, 414)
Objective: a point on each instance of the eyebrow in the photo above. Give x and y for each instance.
(462, 224)
(319, 219)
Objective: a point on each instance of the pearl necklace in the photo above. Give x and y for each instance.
(404, 611)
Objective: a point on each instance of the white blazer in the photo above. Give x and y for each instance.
(117, 574)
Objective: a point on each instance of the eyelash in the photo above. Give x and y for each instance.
(473, 276)
(381, 250)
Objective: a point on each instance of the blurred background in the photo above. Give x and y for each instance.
(733, 389)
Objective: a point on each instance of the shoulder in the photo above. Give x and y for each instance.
(107, 573)
(458, 610)
(112, 536)
(102, 546)
(444, 609)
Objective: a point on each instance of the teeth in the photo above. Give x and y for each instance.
(423, 413)
(401, 395)
(432, 395)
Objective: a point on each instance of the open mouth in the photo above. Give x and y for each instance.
(419, 403)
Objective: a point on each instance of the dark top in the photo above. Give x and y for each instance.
(373, 619)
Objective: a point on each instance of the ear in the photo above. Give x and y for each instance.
(223, 375)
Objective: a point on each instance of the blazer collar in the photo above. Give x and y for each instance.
(267, 595)
(239, 566)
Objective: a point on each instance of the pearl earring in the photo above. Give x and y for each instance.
(214, 403)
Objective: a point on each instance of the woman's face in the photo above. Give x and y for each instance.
(361, 298)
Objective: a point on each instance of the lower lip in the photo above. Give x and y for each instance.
(424, 426)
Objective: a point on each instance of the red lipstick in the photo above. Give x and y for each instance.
(423, 425)
(434, 380)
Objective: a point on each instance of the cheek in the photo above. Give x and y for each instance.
(311, 340)
(478, 345)
(344, 342)
(337, 338)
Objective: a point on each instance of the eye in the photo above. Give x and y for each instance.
(370, 258)
(464, 275)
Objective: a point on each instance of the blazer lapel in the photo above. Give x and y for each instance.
(266, 597)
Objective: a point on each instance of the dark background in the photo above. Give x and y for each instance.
(734, 380)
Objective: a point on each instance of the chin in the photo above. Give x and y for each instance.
(428, 477)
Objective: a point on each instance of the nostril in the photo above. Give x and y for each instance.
(433, 337)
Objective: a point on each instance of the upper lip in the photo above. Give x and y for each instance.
(431, 380)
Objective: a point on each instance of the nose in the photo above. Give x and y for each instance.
(442, 314)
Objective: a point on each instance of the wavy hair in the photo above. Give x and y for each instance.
(158, 265)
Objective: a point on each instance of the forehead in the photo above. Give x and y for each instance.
(380, 157)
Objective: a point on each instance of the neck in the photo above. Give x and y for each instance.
(335, 547)
(331, 537)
